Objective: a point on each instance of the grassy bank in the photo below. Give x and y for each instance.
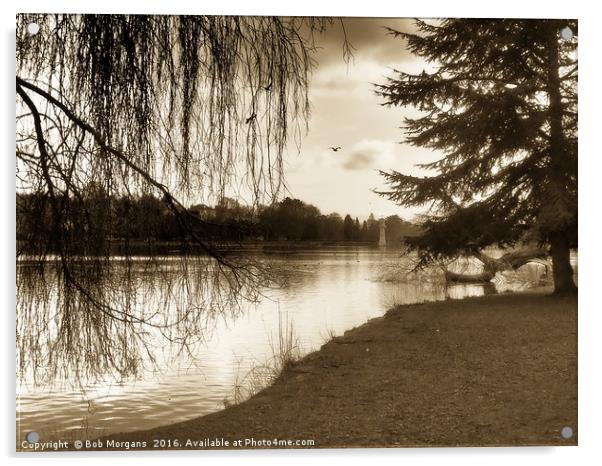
(496, 370)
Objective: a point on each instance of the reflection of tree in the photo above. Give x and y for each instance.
(74, 334)
(122, 106)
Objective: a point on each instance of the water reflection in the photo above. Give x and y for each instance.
(323, 292)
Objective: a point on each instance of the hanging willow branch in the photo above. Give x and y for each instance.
(118, 106)
(196, 100)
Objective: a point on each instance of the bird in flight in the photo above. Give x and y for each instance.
(335, 149)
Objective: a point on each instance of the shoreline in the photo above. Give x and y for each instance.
(496, 370)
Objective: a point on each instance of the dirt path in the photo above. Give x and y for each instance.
(498, 370)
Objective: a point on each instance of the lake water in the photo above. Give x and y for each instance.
(327, 292)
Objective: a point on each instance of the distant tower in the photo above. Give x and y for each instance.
(382, 240)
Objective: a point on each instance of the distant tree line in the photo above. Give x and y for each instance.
(295, 220)
(145, 218)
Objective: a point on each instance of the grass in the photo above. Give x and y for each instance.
(495, 370)
(329, 336)
(285, 352)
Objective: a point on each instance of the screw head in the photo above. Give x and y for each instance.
(566, 33)
(566, 432)
(32, 437)
(33, 29)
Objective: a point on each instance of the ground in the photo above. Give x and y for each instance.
(496, 370)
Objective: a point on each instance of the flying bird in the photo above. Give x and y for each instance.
(335, 149)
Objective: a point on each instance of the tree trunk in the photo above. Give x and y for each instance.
(561, 265)
(559, 245)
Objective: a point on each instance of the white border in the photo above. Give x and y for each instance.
(590, 260)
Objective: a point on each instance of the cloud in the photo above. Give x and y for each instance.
(369, 155)
(359, 161)
(375, 54)
(369, 39)
(355, 81)
(346, 112)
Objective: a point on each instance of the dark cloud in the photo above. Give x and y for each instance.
(359, 161)
(367, 154)
(369, 39)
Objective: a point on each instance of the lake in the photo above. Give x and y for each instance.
(326, 292)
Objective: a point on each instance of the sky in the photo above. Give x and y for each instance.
(346, 112)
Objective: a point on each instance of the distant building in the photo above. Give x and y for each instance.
(382, 239)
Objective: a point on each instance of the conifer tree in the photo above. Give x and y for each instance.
(499, 100)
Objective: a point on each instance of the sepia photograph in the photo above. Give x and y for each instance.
(295, 232)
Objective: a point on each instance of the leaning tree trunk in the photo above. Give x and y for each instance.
(561, 264)
(491, 266)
